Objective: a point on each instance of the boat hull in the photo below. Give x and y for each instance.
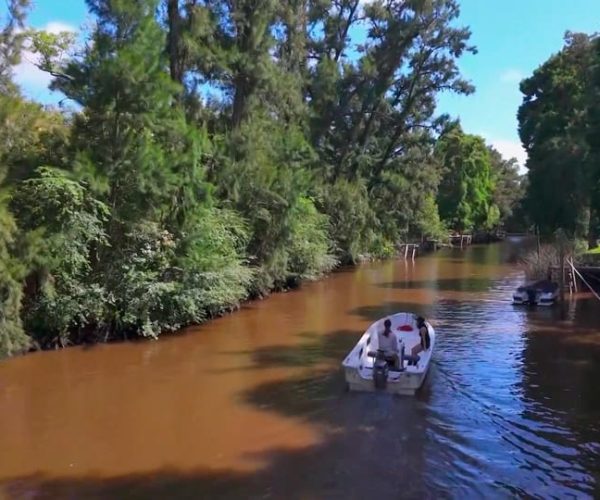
(543, 300)
(407, 384)
(542, 294)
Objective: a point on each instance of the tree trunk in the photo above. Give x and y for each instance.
(240, 101)
(174, 41)
(295, 45)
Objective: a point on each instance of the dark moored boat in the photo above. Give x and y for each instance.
(541, 293)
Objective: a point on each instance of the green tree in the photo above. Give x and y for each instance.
(12, 37)
(223, 149)
(553, 125)
(139, 156)
(370, 109)
(593, 139)
(63, 293)
(353, 223)
(466, 191)
(12, 272)
(29, 136)
(508, 187)
(373, 119)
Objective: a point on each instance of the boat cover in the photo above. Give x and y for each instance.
(543, 286)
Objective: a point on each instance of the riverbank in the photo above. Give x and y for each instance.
(91, 335)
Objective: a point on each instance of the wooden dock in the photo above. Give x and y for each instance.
(571, 280)
(460, 239)
(409, 250)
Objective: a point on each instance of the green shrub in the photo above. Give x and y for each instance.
(382, 248)
(351, 219)
(309, 247)
(162, 282)
(69, 224)
(12, 336)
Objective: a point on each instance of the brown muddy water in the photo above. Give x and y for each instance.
(253, 405)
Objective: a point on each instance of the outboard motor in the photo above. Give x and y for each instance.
(380, 371)
(532, 296)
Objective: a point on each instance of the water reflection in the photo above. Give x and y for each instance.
(252, 405)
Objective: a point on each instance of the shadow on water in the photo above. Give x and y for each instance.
(316, 348)
(375, 312)
(357, 431)
(311, 472)
(352, 425)
(313, 349)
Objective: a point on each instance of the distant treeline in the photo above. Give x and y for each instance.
(211, 151)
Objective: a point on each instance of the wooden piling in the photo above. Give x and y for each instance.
(411, 250)
(561, 240)
(463, 239)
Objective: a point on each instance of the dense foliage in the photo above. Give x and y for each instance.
(467, 185)
(217, 150)
(559, 124)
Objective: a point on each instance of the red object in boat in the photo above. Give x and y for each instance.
(405, 328)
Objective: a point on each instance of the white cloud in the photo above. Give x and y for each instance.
(511, 149)
(58, 27)
(511, 75)
(27, 75)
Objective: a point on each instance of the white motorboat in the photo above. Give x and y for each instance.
(366, 370)
(541, 293)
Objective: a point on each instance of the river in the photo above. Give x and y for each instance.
(252, 405)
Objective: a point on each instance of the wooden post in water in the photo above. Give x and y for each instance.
(562, 274)
(560, 239)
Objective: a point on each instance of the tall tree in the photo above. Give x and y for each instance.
(508, 188)
(466, 191)
(389, 92)
(553, 125)
(28, 135)
(134, 145)
(12, 273)
(222, 148)
(12, 36)
(593, 138)
(139, 156)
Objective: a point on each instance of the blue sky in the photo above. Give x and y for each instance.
(513, 37)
